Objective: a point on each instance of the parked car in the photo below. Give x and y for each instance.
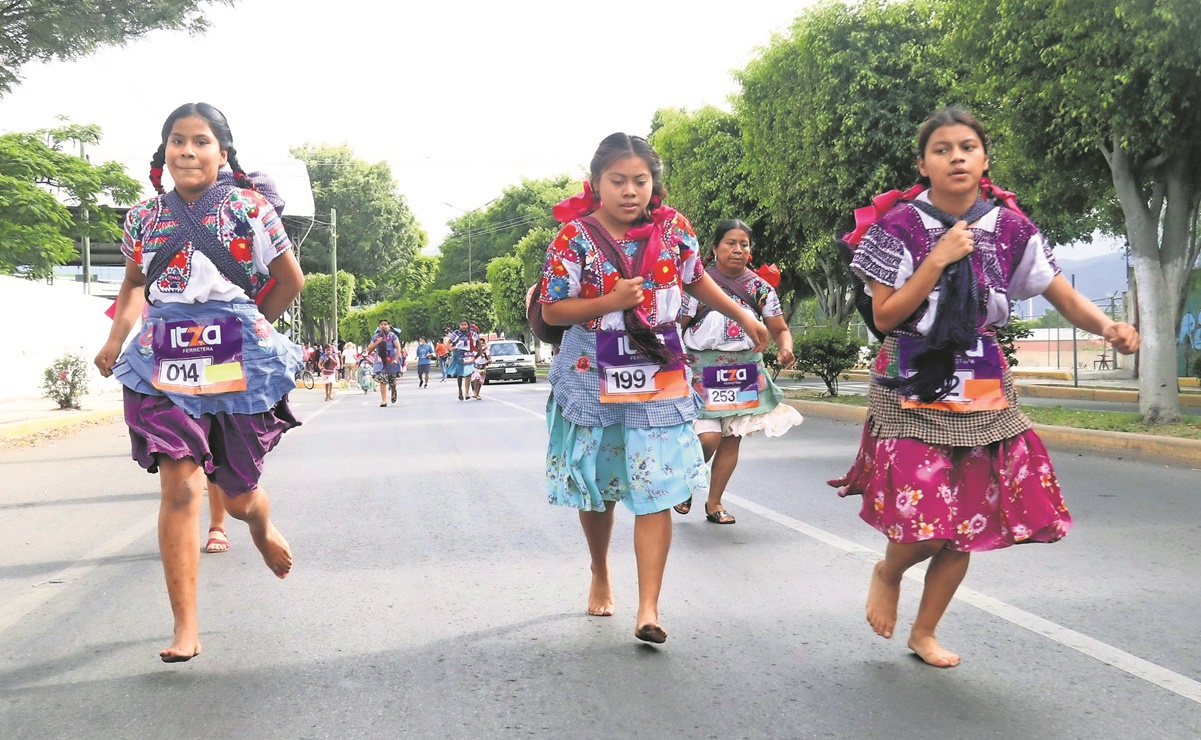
(510, 361)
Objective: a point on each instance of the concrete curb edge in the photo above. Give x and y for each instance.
(1147, 447)
(13, 430)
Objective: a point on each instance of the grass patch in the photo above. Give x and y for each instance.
(1061, 416)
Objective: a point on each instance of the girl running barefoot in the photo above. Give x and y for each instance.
(948, 463)
(621, 407)
(206, 380)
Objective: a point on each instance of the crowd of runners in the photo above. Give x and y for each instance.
(659, 373)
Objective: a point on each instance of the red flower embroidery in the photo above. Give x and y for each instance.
(610, 281)
(179, 261)
(137, 251)
(583, 364)
(665, 272)
(558, 269)
(588, 290)
(882, 361)
(240, 249)
(648, 298)
(262, 328)
(733, 331)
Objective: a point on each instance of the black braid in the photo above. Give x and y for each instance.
(157, 163)
(240, 177)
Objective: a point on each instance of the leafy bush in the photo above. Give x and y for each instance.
(1016, 329)
(1197, 368)
(827, 352)
(65, 381)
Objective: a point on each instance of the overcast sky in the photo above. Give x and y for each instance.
(460, 98)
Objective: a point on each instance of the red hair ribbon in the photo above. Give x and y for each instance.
(769, 273)
(577, 206)
(987, 188)
(881, 204)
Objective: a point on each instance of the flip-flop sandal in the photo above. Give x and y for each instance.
(685, 507)
(721, 516)
(214, 543)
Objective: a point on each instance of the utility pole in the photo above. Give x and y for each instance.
(87, 240)
(333, 253)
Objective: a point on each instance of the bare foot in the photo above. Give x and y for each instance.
(651, 633)
(600, 597)
(184, 647)
(882, 598)
(928, 649)
(274, 548)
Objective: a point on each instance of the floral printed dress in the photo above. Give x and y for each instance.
(643, 453)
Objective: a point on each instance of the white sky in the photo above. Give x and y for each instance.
(460, 98)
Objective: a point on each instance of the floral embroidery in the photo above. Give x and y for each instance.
(583, 364)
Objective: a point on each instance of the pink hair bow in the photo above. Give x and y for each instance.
(881, 204)
(577, 206)
(1009, 199)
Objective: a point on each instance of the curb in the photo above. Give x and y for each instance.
(1144, 447)
(15, 429)
(1113, 395)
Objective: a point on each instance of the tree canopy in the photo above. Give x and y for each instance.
(44, 192)
(42, 30)
(1104, 96)
(377, 233)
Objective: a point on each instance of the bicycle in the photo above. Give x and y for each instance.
(306, 377)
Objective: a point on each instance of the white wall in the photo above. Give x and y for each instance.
(38, 324)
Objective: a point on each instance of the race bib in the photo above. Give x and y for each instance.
(627, 376)
(199, 357)
(978, 374)
(731, 387)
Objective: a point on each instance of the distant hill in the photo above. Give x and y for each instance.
(1096, 277)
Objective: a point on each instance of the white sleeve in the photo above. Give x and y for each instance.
(1033, 275)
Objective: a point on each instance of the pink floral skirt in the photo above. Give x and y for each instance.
(977, 498)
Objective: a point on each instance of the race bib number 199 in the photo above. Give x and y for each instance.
(628, 376)
(199, 357)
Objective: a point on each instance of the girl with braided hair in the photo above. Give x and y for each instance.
(207, 378)
(948, 464)
(622, 405)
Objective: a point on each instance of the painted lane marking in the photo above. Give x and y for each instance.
(1081, 643)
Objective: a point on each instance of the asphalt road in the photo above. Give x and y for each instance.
(437, 595)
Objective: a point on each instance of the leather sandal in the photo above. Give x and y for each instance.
(216, 544)
(721, 516)
(685, 507)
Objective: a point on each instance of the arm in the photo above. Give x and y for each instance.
(1085, 315)
(707, 291)
(288, 282)
(779, 331)
(891, 306)
(567, 311)
(130, 300)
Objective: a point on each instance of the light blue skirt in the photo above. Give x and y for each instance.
(455, 368)
(649, 470)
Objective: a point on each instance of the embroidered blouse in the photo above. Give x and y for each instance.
(575, 267)
(244, 222)
(1013, 261)
(716, 331)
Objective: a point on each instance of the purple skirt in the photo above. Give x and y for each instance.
(230, 447)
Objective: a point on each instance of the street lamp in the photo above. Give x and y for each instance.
(468, 213)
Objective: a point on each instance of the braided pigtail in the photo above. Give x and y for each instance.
(240, 177)
(156, 167)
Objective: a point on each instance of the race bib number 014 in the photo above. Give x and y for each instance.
(199, 357)
(628, 376)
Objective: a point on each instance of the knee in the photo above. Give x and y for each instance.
(182, 493)
(240, 506)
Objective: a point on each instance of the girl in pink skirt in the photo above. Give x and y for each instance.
(948, 464)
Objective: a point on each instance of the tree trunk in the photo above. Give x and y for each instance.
(1159, 272)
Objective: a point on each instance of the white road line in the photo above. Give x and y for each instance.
(20, 607)
(1120, 659)
(535, 414)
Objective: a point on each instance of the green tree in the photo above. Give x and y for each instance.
(472, 301)
(828, 113)
(531, 250)
(508, 292)
(1106, 95)
(37, 230)
(377, 233)
(827, 352)
(442, 311)
(42, 30)
(496, 229)
(317, 301)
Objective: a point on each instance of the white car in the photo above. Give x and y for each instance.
(510, 361)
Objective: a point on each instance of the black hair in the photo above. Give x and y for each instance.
(950, 116)
(220, 128)
(618, 146)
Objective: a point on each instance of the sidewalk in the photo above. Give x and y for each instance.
(22, 417)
